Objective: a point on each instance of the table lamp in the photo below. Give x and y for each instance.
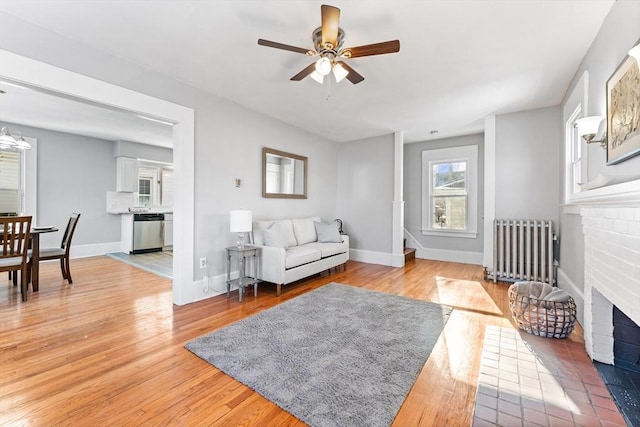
(240, 222)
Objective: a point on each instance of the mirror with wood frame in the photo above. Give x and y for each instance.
(284, 175)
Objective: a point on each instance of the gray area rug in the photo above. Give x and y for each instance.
(335, 356)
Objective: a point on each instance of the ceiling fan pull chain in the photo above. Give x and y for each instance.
(328, 80)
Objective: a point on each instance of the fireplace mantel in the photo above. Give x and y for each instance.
(623, 194)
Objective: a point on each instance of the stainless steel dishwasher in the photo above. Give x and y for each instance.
(148, 232)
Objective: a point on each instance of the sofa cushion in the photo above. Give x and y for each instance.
(258, 231)
(305, 230)
(273, 236)
(286, 228)
(328, 249)
(298, 255)
(328, 233)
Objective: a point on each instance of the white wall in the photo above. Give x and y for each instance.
(413, 195)
(226, 149)
(527, 157)
(228, 141)
(619, 32)
(365, 197)
(74, 174)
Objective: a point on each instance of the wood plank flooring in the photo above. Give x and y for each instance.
(108, 350)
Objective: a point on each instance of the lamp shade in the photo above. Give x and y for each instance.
(589, 125)
(317, 76)
(240, 221)
(323, 66)
(339, 72)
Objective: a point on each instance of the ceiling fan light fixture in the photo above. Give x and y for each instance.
(317, 77)
(323, 66)
(339, 72)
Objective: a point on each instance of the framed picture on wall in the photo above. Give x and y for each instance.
(623, 112)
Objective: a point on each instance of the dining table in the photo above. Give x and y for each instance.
(35, 253)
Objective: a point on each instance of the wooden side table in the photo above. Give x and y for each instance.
(244, 278)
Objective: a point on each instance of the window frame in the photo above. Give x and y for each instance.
(149, 174)
(468, 154)
(576, 151)
(29, 179)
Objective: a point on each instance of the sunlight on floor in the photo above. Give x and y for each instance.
(476, 297)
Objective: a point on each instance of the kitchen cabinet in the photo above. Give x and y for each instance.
(168, 229)
(126, 175)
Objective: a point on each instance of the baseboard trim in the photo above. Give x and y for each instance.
(371, 257)
(450, 256)
(564, 282)
(96, 249)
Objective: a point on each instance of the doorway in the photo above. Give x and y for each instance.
(25, 71)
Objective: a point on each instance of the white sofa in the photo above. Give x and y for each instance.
(293, 249)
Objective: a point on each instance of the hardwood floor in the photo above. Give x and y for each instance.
(108, 350)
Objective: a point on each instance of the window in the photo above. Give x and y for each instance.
(11, 183)
(576, 163)
(155, 184)
(575, 152)
(450, 187)
(449, 195)
(144, 191)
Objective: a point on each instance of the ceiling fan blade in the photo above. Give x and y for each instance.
(372, 49)
(277, 45)
(353, 76)
(330, 24)
(304, 73)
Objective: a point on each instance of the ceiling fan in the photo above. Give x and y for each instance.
(327, 42)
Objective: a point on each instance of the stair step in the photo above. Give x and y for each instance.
(409, 254)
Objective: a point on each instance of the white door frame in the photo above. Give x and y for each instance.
(19, 69)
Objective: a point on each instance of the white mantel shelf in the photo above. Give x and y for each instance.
(624, 194)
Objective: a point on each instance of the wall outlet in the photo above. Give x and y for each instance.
(203, 262)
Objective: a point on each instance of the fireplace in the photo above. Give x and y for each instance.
(611, 226)
(626, 342)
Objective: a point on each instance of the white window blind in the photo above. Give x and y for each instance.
(10, 183)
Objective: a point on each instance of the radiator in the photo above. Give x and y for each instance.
(523, 250)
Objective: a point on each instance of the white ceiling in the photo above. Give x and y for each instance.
(459, 61)
(25, 106)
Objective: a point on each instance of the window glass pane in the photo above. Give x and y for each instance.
(144, 186)
(449, 178)
(450, 213)
(144, 192)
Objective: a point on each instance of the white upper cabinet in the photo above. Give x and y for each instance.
(126, 175)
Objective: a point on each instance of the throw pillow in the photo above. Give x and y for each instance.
(258, 230)
(273, 237)
(328, 233)
(286, 228)
(305, 230)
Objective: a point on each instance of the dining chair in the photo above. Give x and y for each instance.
(15, 234)
(62, 253)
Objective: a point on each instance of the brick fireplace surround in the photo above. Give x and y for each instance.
(611, 226)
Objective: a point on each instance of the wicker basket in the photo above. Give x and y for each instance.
(541, 317)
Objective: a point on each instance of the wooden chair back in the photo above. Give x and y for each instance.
(68, 233)
(15, 232)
